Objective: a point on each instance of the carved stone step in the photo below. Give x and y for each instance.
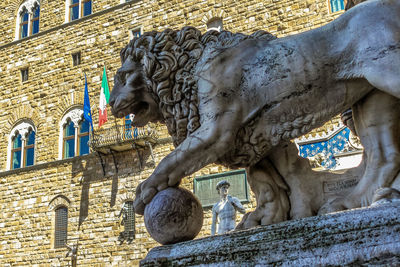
(368, 236)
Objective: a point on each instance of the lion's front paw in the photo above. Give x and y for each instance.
(385, 195)
(146, 191)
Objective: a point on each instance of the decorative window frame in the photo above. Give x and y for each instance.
(55, 203)
(80, 15)
(76, 116)
(30, 6)
(23, 127)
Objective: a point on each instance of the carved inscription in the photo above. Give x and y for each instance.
(339, 185)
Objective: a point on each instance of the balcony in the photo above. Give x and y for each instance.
(122, 138)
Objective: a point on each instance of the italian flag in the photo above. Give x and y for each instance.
(104, 98)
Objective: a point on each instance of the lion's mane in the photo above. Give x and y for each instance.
(168, 60)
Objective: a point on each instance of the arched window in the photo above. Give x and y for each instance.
(78, 8)
(61, 227)
(215, 24)
(28, 19)
(336, 5)
(22, 146)
(74, 135)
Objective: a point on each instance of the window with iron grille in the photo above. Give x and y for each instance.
(61, 227)
(128, 221)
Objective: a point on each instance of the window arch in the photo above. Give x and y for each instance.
(76, 9)
(74, 135)
(27, 19)
(215, 24)
(21, 146)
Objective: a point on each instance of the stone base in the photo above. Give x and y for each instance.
(369, 236)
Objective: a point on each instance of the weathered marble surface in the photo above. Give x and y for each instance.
(354, 237)
(238, 100)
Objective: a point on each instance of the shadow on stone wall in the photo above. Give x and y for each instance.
(117, 165)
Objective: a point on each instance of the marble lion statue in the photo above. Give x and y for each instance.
(239, 100)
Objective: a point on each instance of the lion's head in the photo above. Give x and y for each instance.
(156, 81)
(132, 96)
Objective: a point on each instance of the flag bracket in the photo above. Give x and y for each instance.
(103, 165)
(102, 160)
(134, 147)
(114, 160)
(151, 152)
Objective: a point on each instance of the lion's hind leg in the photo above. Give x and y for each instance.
(377, 120)
(271, 194)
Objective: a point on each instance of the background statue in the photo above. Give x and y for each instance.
(238, 100)
(224, 211)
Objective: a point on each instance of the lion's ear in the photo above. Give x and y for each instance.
(122, 54)
(128, 65)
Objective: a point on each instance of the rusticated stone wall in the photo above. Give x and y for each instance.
(54, 86)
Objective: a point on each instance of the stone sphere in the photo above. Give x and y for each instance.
(173, 215)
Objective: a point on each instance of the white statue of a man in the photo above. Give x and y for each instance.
(224, 212)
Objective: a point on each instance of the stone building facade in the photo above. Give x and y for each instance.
(41, 87)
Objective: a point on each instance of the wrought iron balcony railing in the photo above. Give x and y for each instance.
(121, 138)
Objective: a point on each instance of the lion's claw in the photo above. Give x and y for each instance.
(138, 206)
(146, 191)
(148, 194)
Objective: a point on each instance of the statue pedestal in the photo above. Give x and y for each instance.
(368, 236)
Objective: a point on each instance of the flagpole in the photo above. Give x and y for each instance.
(87, 113)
